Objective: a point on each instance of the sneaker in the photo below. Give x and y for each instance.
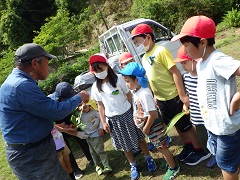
(212, 162)
(171, 174)
(151, 147)
(168, 140)
(99, 170)
(78, 174)
(164, 164)
(134, 172)
(107, 169)
(187, 150)
(151, 165)
(196, 157)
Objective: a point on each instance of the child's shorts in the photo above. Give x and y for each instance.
(172, 107)
(226, 149)
(156, 135)
(62, 153)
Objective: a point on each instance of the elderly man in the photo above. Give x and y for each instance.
(27, 115)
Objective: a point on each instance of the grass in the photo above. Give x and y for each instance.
(227, 41)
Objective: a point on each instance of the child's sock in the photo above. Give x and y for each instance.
(72, 176)
(175, 168)
(146, 157)
(134, 163)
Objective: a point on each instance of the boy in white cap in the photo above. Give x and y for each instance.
(216, 92)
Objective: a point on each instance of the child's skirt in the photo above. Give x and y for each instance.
(124, 133)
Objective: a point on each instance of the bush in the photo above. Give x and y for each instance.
(232, 18)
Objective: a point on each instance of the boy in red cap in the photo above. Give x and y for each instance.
(166, 83)
(216, 92)
(190, 82)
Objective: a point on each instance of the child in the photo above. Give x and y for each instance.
(124, 59)
(95, 139)
(114, 105)
(216, 87)
(166, 83)
(145, 114)
(62, 152)
(190, 82)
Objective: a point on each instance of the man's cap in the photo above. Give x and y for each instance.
(135, 69)
(30, 51)
(181, 55)
(197, 26)
(125, 57)
(64, 91)
(141, 29)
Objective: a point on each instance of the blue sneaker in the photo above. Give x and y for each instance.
(151, 165)
(151, 147)
(134, 172)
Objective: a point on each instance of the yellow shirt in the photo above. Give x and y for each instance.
(160, 79)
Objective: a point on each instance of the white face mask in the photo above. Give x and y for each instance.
(141, 47)
(101, 75)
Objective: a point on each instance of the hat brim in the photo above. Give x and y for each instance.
(180, 60)
(50, 56)
(125, 72)
(177, 37)
(126, 60)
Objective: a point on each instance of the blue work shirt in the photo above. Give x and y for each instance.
(26, 113)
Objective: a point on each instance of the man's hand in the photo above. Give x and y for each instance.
(82, 135)
(84, 96)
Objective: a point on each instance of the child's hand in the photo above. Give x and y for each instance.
(101, 132)
(185, 100)
(185, 108)
(235, 103)
(106, 127)
(72, 127)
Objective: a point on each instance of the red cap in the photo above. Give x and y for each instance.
(141, 29)
(125, 57)
(99, 57)
(197, 26)
(181, 55)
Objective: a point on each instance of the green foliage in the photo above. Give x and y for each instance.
(68, 71)
(173, 13)
(232, 18)
(58, 34)
(7, 64)
(20, 18)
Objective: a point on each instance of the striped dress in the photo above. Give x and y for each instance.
(190, 83)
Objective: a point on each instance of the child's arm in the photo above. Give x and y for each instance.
(151, 118)
(129, 96)
(101, 111)
(235, 103)
(179, 84)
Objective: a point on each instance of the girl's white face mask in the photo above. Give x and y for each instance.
(101, 75)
